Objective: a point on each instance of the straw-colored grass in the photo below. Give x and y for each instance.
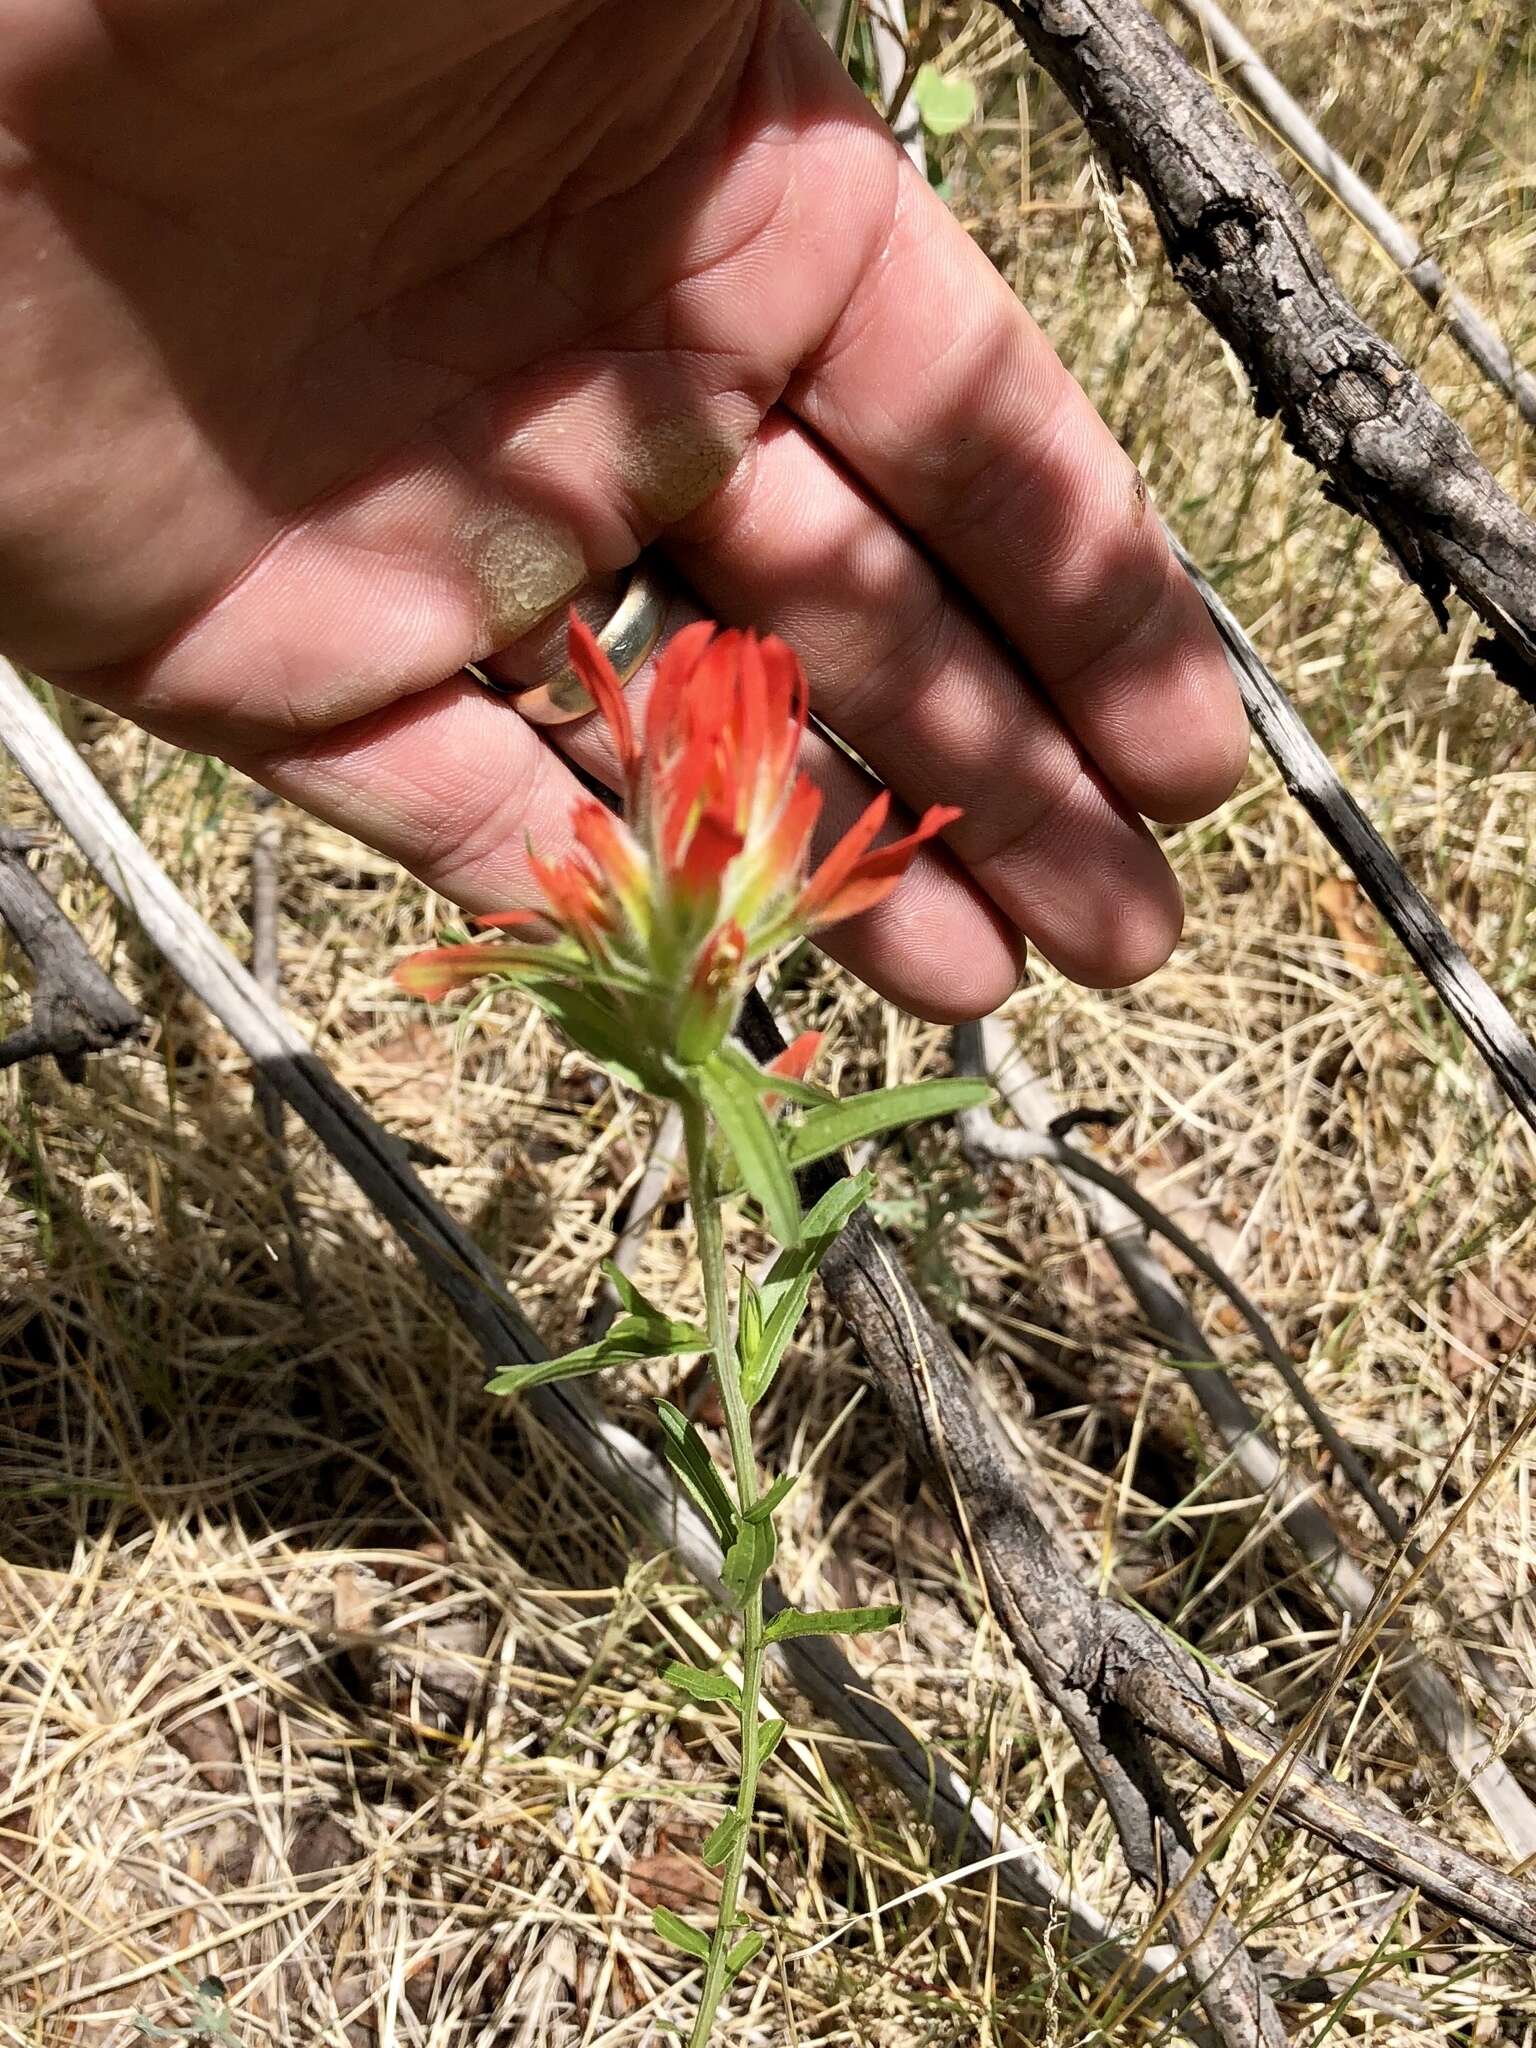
(322, 1676)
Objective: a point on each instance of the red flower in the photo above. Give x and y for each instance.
(669, 910)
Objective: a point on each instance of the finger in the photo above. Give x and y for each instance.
(900, 667)
(938, 390)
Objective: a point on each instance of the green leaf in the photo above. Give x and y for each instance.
(742, 1954)
(589, 1023)
(749, 1321)
(769, 1736)
(762, 1510)
(831, 1621)
(691, 1940)
(788, 1286)
(723, 1840)
(708, 1687)
(754, 1144)
(626, 1339)
(686, 1452)
(749, 1559)
(630, 1295)
(945, 100)
(864, 1116)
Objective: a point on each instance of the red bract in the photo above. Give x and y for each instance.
(668, 910)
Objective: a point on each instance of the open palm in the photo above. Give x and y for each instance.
(339, 346)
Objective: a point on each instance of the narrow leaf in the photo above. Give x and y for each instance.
(762, 1510)
(625, 1340)
(705, 1686)
(749, 1558)
(742, 1954)
(631, 1297)
(831, 1621)
(769, 1736)
(788, 1285)
(686, 1452)
(691, 1940)
(723, 1840)
(884, 1109)
(754, 1145)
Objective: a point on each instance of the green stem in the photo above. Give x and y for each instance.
(705, 1201)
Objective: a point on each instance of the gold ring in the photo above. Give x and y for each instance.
(632, 630)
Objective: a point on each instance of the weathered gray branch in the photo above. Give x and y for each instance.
(1473, 334)
(1314, 782)
(1242, 252)
(75, 1008)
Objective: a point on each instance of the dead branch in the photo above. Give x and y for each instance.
(1120, 1215)
(1474, 335)
(1242, 252)
(75, 1009)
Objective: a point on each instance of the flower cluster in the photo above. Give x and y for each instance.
(662, 915)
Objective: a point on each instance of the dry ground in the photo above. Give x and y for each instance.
(321, 1676)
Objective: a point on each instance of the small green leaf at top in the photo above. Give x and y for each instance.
(723, 1840)
(945, 100)
(708, 1687)
(762, 1510)
(742, 1954)
(826, 1130)
(830, 1621)
(678, 1934)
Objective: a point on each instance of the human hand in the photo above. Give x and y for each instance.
(334, 353)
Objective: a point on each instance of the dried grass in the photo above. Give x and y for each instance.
(320, 1676)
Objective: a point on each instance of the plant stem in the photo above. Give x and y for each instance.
(705, 1201)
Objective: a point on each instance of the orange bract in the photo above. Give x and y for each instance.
(669, 909)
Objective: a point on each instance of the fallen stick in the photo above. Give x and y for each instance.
(631, 1472)
(1475, 336)
(1243, 254)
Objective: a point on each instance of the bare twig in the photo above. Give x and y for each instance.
(75, 1009)
(1120, 1215)
(1242, 252)
(889, 35)
(1311, 778)
(1476, 336)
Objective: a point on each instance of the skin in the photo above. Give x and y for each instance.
(336, 348)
